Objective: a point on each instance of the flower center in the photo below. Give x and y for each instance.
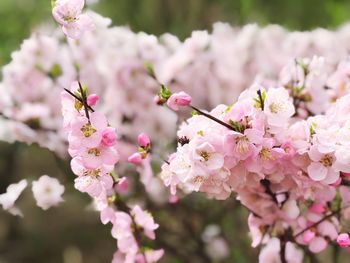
(242, 145)
(198, 180)
(327, 160)
(88, 130)
(69, 18)
(92, 173)
(276, 107)
(94, 151)
(266, 154)
(205, 155)
(47, 190)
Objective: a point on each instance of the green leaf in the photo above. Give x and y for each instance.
(237, 126)
(164, 92)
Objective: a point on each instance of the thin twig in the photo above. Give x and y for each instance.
(86, 107)
(261, 99)
(212, 118)
(77, 98)
(318, 222)
(266, 183)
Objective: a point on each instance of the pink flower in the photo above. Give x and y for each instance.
(107, 215)
(109, 137)
(343, 240)
(92, 99)
(143, 140)
(135, 158)
(321, 167)
(318, 244)
(87, 134)
(122, 186)
(205, 157)
(144, 220)
(47, 192)
(278, 107)
(8, 199)
(308, 236)
(68, 13)
(122, 231)
(94, 186)
(95, 157)
(179, 99)
(241, 145)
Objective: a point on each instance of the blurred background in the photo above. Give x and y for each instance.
(71, 233)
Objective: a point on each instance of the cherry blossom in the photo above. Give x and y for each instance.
(47, 192)
(8, 199)
(68, 13)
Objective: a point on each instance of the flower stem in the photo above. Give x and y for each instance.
(318, 222)
(261, 99)
(83, 96)
(212, 117)
(77, 98)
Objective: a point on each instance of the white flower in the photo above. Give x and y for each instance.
(8, 199)
(278, 107)
(47, 192)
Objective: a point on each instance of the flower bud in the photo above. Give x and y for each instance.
(343, 240)
(179, 99)
(143, 140)
(109, 137)
(92, 99)
(135, 158)
(122, 186)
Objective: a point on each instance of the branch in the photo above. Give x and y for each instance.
(83, 95)
(212, 118)
(77, 98)
(283, 250)
(266, 183)
(261, 99)
(319, 221)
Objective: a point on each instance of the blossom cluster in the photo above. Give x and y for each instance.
(287, 165)
(92, 146)
(281, 148)
(111, 61)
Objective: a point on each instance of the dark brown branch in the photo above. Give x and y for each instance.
(212, 118)
(77, 98)
(318, 222)
(283, 250)
(84, 101)
(261, 100)
(266, 183)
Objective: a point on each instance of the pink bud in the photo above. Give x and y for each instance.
(92, 99)
(317, 208)
(179, 99)
(143, 140)
(109, 137)
(173, 199)
(135, 158)
(123, 186)
(343, 240)
(308, 236)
